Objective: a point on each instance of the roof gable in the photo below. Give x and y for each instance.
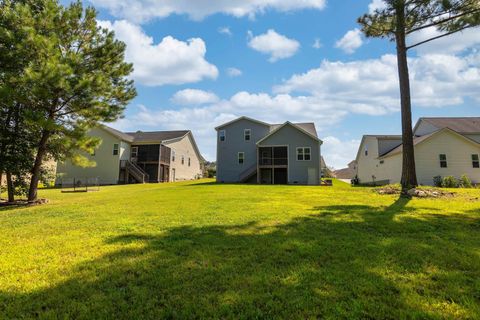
(288, 123)
(419, 140)
(241, 118)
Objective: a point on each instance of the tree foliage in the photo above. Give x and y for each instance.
(72, 74)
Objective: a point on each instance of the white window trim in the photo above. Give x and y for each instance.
(173, 155)
(134, 152)
(249, 134)
(243, 157)
(303, 153)
(220, 135)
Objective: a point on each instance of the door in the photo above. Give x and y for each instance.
(312, 176)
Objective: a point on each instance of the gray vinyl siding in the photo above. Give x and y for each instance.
(228, 168)
(293, 139)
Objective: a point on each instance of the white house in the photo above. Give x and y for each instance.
(443, 147)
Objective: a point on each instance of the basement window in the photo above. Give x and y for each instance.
(475, 161)
(443, 160)
(241, 157)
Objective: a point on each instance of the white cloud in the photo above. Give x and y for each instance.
(234, 72)
(371, 86)
(338, 153)
(169, 62)
(193, 97)
(274, 44)
(455, 43)
(376, 5)
(317, 44)
(351, 41)
(144, 10)
(225, 30)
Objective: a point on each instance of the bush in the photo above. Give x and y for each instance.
(450, 182)
(465, 182)
(437, 181)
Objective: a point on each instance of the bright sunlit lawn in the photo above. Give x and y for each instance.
(202, 250)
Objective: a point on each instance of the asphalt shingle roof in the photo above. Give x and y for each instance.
(460, 125)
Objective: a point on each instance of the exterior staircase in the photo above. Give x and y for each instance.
(132, 169)
(248, 173)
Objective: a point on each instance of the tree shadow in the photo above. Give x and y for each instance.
(344, 261)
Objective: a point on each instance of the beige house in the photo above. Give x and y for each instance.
(443, 147)
(132, 157)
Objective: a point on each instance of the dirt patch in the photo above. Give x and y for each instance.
(22, 203)
(416, 192)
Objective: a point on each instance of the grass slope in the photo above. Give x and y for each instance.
(201, 250)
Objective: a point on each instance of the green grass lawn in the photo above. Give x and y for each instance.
(202, 250)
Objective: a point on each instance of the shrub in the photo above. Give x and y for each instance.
(465, 182)
(450, 182)
(437, 181)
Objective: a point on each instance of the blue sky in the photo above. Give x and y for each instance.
(201, 63)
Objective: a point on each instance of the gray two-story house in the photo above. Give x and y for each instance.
(253, 151)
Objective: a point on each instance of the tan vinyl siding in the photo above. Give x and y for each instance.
(184, 147)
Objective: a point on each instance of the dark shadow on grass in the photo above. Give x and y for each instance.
(340, 262)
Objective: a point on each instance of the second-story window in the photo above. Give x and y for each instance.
(183, 160)
(366, 150)
(247, 134)
(173, 155)
(222, 136)
(443, 160)
(115, 149)
(189, 162)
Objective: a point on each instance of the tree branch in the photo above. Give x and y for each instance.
(442, 21)
(437, 37)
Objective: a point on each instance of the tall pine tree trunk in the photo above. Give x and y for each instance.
(409, 176)
(10, 191)
(42, 148)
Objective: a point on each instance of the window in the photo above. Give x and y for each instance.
(189, 162)
(475, 161)
(304, 154)
(382, 161)
(366, 150)
(443, 160)
(173, 155)
(134, 152)
(247, 134)
(222, 135)
(115, 149)
(241, 157)
(183, 160)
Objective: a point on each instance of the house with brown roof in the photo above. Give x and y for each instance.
(254, 151)
(138, 157)
(443, 147)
